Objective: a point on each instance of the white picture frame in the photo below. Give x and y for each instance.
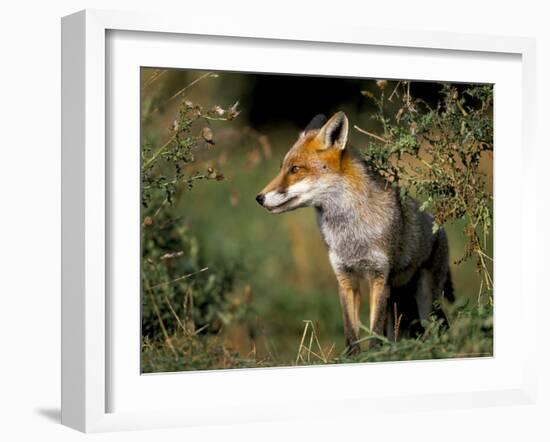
(92, 347)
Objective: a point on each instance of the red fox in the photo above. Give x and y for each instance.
(370, 233)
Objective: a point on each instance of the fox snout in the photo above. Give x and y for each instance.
(277, 201)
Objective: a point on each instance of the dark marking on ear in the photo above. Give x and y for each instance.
(317, 122)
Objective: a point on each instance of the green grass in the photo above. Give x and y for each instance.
(470, 334)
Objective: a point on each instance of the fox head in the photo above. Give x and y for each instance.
(310, 168)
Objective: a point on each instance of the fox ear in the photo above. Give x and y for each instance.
(335, 132)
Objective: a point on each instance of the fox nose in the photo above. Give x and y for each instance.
(260, 198)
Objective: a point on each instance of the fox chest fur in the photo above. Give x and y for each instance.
(356, 244)
(364, 225)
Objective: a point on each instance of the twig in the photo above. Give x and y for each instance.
(319, 346)
(161, 322)
(310, 343)
(174, 313)
(197, 331)
(268, 348)
(461, 108)
(159, 151)
(480, 292)
(180, 278)
(428, 165)
(371, 134)
(313, 339)
(394, 90)
(193, 83)
(181, 91)
(397, 322)
(299, 354)
(160, 207)
(485, 255)
(154, 77)
(330, 350)
(311, 352)
(188, 310)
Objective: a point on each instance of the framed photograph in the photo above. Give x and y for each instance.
(250, 215)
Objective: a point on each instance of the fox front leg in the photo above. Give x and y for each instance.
(379, 294)
(350, 301)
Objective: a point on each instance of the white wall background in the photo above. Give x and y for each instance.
(30, 214)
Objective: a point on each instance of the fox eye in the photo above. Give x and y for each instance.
(294, 169)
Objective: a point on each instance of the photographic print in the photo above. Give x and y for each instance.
(291, 220)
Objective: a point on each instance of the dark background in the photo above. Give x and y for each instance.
(269, 99)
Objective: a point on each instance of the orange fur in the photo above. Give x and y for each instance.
(313, 158)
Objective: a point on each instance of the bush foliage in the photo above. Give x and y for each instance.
(180, 293)
(436, 153)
